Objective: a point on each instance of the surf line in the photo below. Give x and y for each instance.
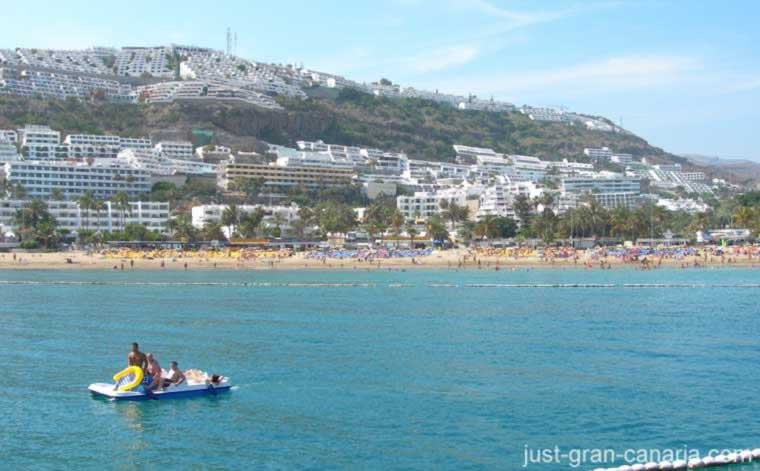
(727, 459)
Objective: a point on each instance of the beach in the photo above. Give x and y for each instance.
(273, 260)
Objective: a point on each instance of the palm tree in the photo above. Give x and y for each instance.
(98, 206)
(250, 222)
(486, 227)
(182, 228)
(744, 216)
(86, 202)
(56, 194)
(213, 231)
(412, 234)
(18, 191)
(397, 222)
(231, 218)
(455, 213)
(621, 222)
(278, 221)
(120, 202)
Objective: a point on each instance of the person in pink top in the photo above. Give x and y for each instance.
(154, 371)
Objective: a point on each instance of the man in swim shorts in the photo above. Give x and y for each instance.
(153, 371)
(136, 357)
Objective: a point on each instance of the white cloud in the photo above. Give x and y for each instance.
(444, 58)
(611, 75)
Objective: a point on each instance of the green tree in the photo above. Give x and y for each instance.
(523, 209)
(335, 217)
(250, 222)
(212, 231)
(455, 214)
(231, 218)
(436, 229)
(86, 203)
(56, 194)
(182, 228)
(34, 223)
(120, 203)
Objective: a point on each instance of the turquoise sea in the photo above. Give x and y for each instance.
(380, 370)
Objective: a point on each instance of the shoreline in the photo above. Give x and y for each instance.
(453, 260)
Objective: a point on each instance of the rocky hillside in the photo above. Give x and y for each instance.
(420, 128)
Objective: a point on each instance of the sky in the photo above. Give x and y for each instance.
(685, 75)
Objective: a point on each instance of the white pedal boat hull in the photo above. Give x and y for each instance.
(172, 392)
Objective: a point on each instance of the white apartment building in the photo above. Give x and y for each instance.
(601, 185)
(103, 179)
(683, 204)
(566, 167)
(8, 136)
(8, 153)
(390, 162)
(42, 143)
(152, 214)
(158, 164)
(529, 168)
(93, 140)
(622, 159)
(135, 143)
(81, 146)
(598, 154)
(469, 154)
(213, 154)
(609, 192)
(424, 204)
(182, 150)
(284, 216)
(33, 134)
(498, 200)
(314, 159)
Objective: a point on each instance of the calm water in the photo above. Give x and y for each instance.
(390, 370)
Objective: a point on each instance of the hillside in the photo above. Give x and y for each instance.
(420, 128)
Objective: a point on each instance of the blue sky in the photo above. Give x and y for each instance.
(685, 75)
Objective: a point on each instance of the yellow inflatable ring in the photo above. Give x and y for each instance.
(135, 371)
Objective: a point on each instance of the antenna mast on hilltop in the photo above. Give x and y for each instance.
(229, 41)
(234, 47)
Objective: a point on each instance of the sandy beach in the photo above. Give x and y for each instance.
(448, 259)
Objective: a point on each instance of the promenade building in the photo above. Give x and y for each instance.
(103, 179)
(153, 215)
